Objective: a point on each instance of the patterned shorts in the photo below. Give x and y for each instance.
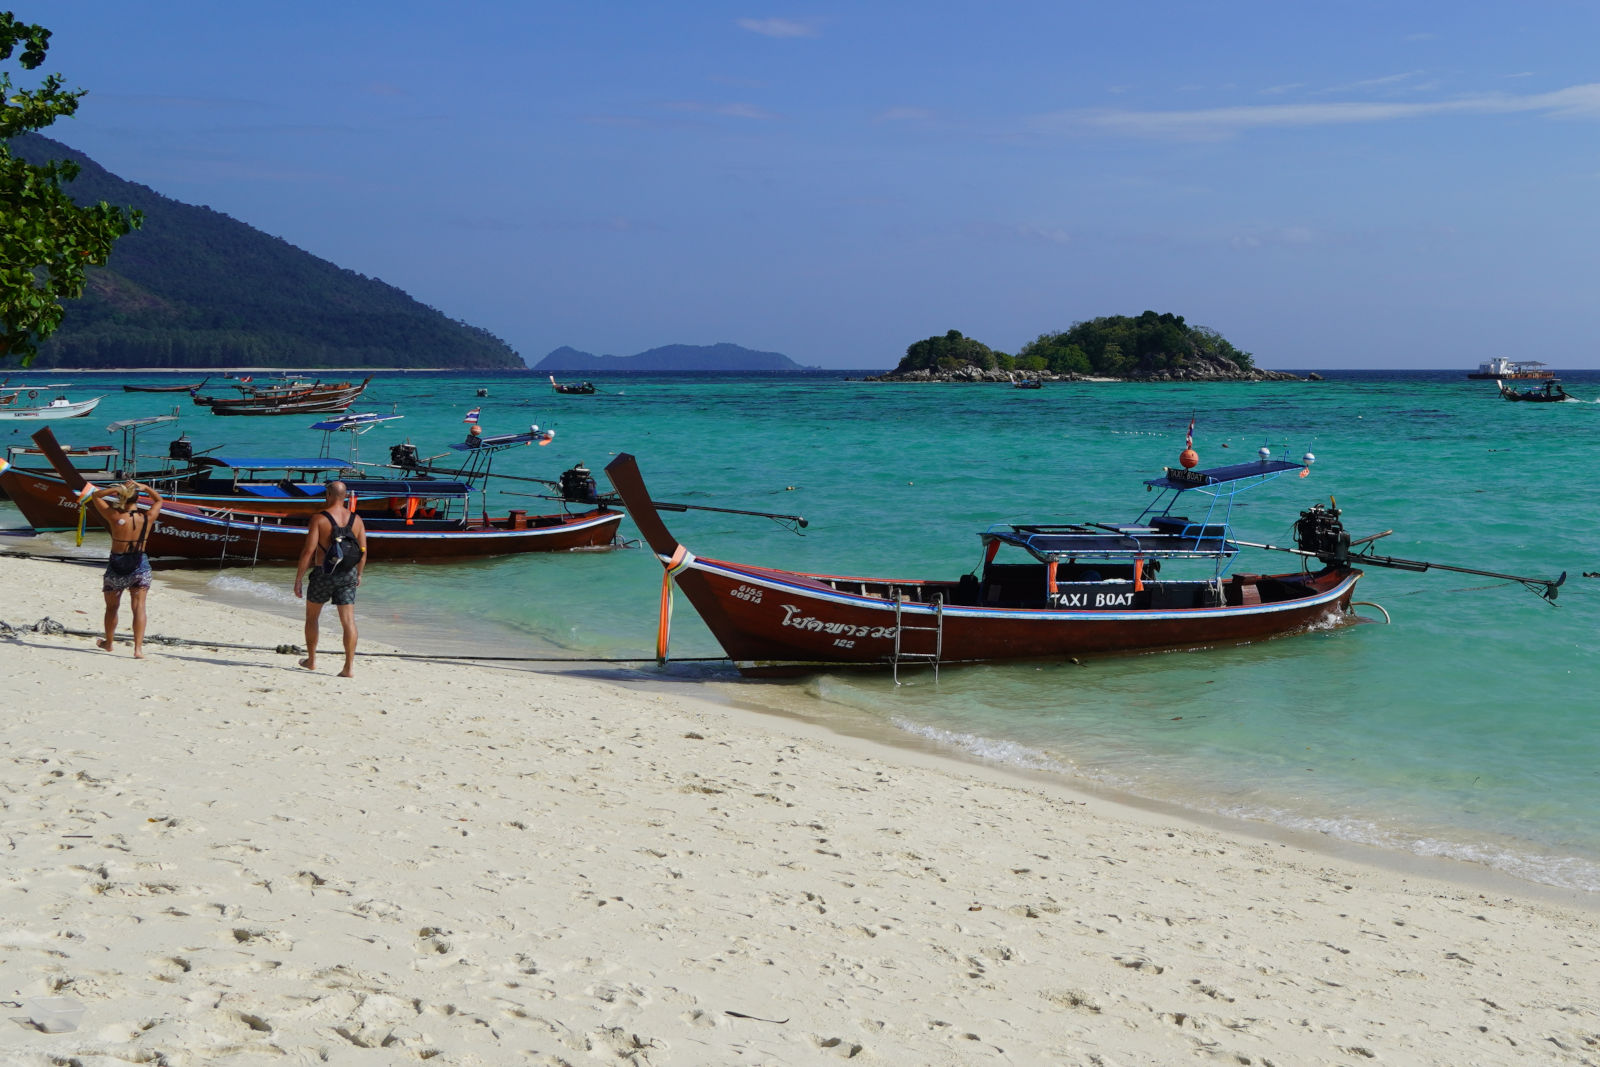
(339, 588)
(139, 579)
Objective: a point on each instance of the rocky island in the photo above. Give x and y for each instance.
(1149, 348)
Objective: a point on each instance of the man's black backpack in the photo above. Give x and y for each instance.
(344, 551)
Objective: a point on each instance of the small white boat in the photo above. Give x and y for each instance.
(59, 408)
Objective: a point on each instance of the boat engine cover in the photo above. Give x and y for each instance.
(1319, 530)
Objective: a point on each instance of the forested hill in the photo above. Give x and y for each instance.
(195, 288)
(725, 357)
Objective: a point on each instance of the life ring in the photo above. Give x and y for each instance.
(33, 394)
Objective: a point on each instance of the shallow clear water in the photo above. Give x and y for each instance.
(1466, 728)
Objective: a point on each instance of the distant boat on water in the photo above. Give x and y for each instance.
(165, 388)
(1549, 392)
(571, 388)
(1500, 368)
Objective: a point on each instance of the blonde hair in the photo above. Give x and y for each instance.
(126, 495)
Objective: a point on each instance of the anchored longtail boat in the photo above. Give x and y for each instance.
(413, 520)
(287, 400)
(1085, 589)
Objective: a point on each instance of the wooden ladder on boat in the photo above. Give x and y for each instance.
(901, 629)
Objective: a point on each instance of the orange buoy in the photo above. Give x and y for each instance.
(1189, 458)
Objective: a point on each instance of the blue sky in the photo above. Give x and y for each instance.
(1333, 185)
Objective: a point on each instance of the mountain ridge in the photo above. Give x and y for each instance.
(196, 288)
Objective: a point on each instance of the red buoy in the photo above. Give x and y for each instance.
(1189, 458)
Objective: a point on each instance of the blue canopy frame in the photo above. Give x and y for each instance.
(1157, 533)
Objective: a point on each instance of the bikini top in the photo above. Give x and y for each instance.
(144, 533)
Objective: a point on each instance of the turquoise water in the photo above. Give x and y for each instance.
(1466, 728)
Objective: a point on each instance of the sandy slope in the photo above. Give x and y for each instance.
(232, 861)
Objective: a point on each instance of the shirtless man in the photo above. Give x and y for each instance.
(339, 588)
(127, 568)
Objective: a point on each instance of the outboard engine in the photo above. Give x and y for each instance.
(181, 450)
(578, 487)
(1318, 530)
(404, 456)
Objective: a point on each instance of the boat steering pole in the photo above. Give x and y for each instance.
(1544, 588)
(1319, 534)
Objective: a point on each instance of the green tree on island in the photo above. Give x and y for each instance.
(952, 352)
(1116, 346)
(1120, 346)
(47, 242)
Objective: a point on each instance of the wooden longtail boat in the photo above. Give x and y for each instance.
(571, 388)
(47, 504)
(165, 388)
(189, 532)
(49, 507)
(292, 400)
(1548, 392)
(1088, 589)
(429, 525)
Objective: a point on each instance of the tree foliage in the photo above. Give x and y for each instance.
(952, 352)
(47, 242)
(1120, 346)
(1116, 346)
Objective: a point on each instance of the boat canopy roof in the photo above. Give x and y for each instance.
(1167, 538)
(1182, 480)
(353, 422)
(504, 440)
(148, 420)
(374, 487)
(276, 463)
(1157, 533)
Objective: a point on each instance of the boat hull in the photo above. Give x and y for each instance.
(47, 504)
(187, 532)
(49, 413)
(781, 622)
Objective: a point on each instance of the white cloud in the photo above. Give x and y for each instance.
(778, 27)
(1365, 85)
(733, 110)
(1578, 101)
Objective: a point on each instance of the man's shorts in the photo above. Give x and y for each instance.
(339, 588)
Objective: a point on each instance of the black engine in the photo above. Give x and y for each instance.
(404, 456)
(578, 486)
(1318, 530)
(181, 450)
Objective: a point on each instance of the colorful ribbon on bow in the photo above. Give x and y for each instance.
(681, 558)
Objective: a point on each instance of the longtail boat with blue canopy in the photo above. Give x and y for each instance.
(1079, 589)
(406, 519)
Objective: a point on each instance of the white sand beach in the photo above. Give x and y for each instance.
(227, 859)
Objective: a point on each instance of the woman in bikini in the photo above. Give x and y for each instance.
(127, 568)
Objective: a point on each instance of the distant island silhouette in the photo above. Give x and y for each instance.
(722, 357)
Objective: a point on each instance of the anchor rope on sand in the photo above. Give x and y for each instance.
(50, 626)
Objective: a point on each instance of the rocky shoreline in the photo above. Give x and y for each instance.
(976, 374)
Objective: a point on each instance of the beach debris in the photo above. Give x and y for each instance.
(54, 1015)
(47, 625)
(756, 1018)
